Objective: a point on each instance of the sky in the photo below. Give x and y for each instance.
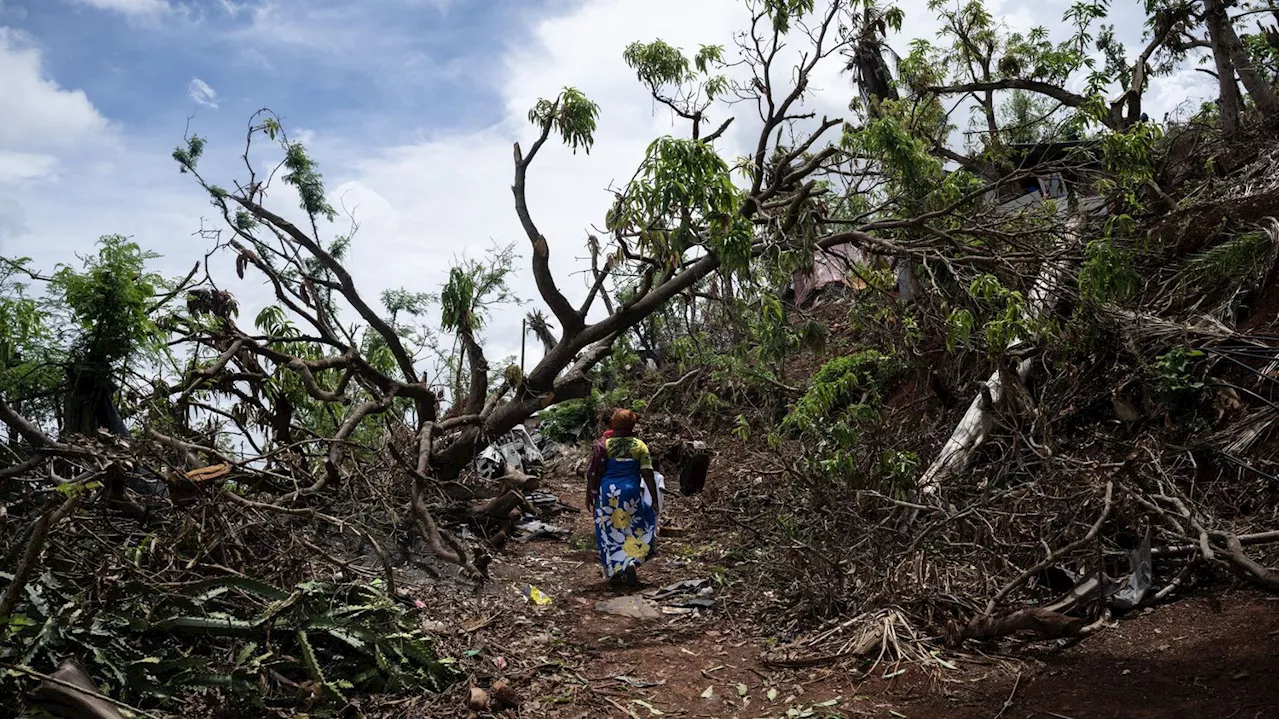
(410, 107)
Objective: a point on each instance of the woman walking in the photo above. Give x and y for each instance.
(625, 524)
(649, 498)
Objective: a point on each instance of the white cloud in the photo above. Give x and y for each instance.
(199, 91)
(37, 112)
(68, 176)
(232, 9)
(1178, 96)
(132, 8)
(39, 119)
(22, 166)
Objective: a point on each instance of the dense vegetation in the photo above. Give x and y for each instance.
(981, 395)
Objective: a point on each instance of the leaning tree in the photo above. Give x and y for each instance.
(680, 220)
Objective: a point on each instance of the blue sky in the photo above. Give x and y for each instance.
(339, 64)
(410, 106)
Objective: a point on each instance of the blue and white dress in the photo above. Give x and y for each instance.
(625, 523)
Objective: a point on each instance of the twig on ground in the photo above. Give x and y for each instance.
(1047, 561)
(1008, 703)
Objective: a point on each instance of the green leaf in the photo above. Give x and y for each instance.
(309, 661)
(571, 114)
(215, 625)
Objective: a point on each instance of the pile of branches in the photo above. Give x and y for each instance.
(217, 600)
(1135, 462)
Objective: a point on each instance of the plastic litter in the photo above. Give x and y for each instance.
(536, 595)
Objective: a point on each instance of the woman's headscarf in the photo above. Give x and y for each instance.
(623, 421)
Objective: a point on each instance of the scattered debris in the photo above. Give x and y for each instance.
(478, 700)
(70, 691)
(685, 597)
(638, 683)
(632, 605)
(545, 501)
(536, 595)
(515, 449)
(652, 709)
(690, 587)
(550, 448)
(498, 697)
(885, 635)
(436, 626)
(537, 529)
(504, 695)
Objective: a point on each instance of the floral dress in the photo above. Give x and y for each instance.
(624, 523)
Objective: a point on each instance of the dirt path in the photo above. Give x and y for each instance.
(1199, 657)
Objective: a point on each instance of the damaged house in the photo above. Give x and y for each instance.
(1055, 170)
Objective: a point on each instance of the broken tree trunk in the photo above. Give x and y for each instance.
(980, 418)
(1043, 623)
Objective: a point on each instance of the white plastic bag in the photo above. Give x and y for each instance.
(644, 493)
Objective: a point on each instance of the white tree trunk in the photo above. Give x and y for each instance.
(980, 418)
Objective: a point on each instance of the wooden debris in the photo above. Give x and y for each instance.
(213, 471)
(503, 696)
(72, 694)
(1044, 623)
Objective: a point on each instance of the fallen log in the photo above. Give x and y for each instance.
(1185, 550)
(977, 422)
(1253, 571)
(1046, 624)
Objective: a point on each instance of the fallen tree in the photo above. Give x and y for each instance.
(667, 243)
(980, 417)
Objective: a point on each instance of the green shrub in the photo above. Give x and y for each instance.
(843, 395)
(845, 390)
(564, 422)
